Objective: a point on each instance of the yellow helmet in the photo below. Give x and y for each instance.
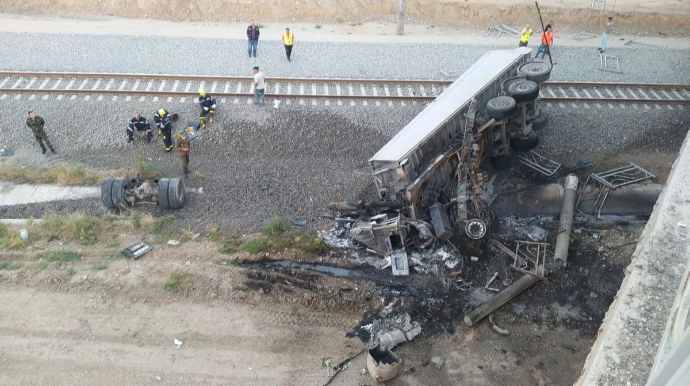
(161, 112)
(202, 93)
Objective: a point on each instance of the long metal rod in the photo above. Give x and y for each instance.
(615, 84)
(503, 297)
(566, 221)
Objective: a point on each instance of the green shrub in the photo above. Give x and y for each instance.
(318, 26)
(6, 265)
(228, 248)
(162, 222)
(274, 227)
(178, 281)
(99, 266)
(256, 246)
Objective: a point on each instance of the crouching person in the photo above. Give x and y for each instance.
(139, 123)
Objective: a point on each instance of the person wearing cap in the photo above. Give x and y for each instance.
(138, 123)
(183, 146)
(208, 106)
(288, 40)
(608, 26)
(36, 124)
(164, 124)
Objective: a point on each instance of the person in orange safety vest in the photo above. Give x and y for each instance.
(546, 42)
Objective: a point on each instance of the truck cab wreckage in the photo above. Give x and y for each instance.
(428, 176)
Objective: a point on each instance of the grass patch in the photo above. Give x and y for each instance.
(295, 308)
(144, 169)
(71, 271)
(112, 244)
(13, 241)
(214, 233)
(9, 266)
(228, 248)
(135, 218)
(99, 266)
(339, 20)
(82, 229)
(274, 227)
(61, 175)
(260, 25)
(40, 266)
(355, 24)
(318, 26)
(161, 222)
(178, 281)
(61, 256)
(310, 244)
(256, 246)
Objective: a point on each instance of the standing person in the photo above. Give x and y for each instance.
(288, 39)
(164, 123)
(138, 123)
(253, 37)
(259, 87)
(550, 26)
(524, 36)
(36, 124)
(546, 41)
(608, 26)
(208, 107)
(183, 146)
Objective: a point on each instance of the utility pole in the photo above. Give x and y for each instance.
(548, 48)
(401, 16)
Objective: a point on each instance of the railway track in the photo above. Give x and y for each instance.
(233, 89)
(236, 89)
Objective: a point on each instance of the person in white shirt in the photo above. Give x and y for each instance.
(259, 87)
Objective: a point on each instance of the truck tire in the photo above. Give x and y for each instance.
(118, 191)
(501, 107)
(503, 162)
(176, 193)
(526, 144)
(163, 193)
(523, 91)
(535, 71)
(540, 121)
(107, 193)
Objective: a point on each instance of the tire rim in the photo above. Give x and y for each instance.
(502, 102)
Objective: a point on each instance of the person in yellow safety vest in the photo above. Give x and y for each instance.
(288, 39)
(524, 37)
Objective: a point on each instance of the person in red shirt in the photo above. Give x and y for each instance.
(546, 41)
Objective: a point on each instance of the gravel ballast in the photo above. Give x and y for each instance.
(165, 55)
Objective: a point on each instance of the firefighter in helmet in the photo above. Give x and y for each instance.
(208, 106)
(164, 123)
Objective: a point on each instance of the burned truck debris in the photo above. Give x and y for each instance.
(429, 177)
(122, 192)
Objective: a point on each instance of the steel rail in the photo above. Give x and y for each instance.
(215, 94)
(548, 99)
(96, 75)
(678, 86)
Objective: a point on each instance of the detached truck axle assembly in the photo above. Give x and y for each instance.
(165, 192)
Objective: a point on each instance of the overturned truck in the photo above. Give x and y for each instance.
(431, 169)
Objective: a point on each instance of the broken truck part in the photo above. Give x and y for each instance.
(382, 364)
(431, 169)
(122, 192)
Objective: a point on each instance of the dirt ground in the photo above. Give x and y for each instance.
(106, 319)
(668, 16)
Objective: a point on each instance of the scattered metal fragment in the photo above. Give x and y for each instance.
(6, 152)
(491, 280)
(609, 63)
(382, 364)
(301, 223)
(263, 186)
(539, 163)
(475, 229)
(604, 182)
(494, 327)
(582, 35)
(341, 366)
(634, 43)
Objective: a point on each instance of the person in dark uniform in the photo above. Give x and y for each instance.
(36, 124)
(164, 124)
(183, 146)
(208, 107)
(138, 123)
